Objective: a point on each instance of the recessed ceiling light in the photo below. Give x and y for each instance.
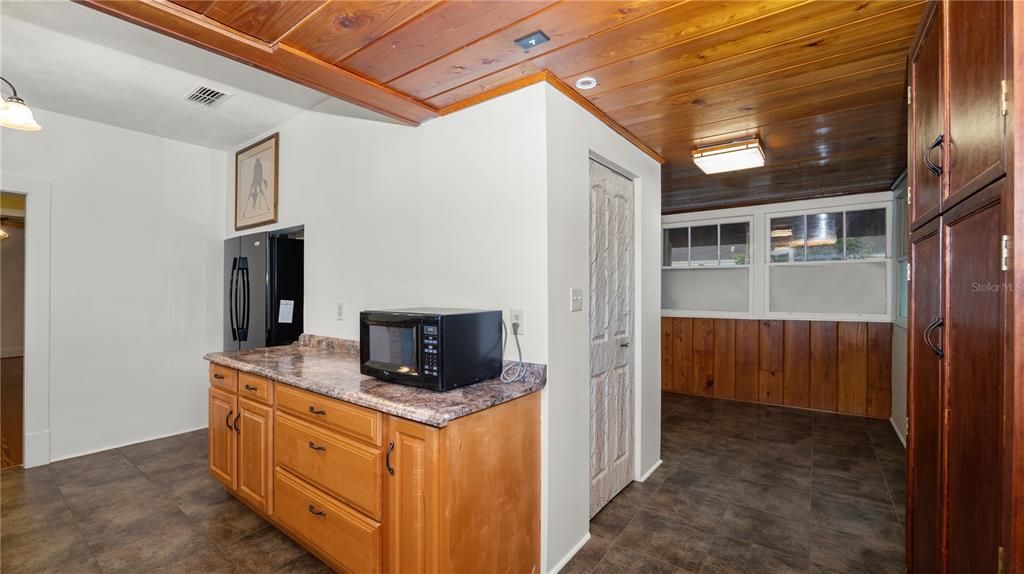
(729, 157)
(586, 83)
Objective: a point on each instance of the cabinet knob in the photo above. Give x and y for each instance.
(317, 412)
(315, 512)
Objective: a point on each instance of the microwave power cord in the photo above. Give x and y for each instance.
(513, 371)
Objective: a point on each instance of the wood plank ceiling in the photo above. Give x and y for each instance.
(821, 83)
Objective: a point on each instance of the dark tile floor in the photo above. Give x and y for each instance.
(755, 489)
(150, 507)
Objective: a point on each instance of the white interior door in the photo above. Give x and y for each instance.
(611, 334)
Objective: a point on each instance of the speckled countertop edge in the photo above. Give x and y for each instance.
(330, 367)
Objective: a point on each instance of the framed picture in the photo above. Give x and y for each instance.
(256, 184)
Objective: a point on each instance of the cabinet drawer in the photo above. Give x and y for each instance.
(340, 533)
(343, 417)
(223, 377)
(255, 388)
(343, 467)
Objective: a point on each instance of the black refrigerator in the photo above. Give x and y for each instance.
(262, 290)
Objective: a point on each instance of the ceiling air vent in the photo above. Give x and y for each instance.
(206, 97)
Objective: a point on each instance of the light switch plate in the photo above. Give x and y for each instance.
(341, 311)
(575, 299)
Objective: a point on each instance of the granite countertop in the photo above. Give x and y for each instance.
(330, 367)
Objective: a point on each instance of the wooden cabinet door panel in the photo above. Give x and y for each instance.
(223, 407)
(411, 503)
(926, 118)
(976, 63)
(255, 459)
(925, 407)
(974, 341)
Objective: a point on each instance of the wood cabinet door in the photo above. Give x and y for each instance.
(974, 338)
(925, 407)
(926, 118)
(411, 498)
(223, 408)
(976, 64)
(255, 454)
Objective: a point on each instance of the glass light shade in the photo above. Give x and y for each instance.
(15, 114)
(729, 157)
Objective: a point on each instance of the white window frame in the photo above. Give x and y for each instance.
(900, 260)
(760, 247)
(698, 222)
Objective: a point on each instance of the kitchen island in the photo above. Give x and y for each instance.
(373, 476)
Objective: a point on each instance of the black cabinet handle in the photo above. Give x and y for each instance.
(315, 512)
(928, 337)
(314, 446)
(238, 416)
(218, 376)
(316, 412)
(932, 167)
(227, 421)
(387, 458)
(624, 344)
(250, 388)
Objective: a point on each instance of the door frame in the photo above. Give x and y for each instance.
(36, 377)
(638, 342)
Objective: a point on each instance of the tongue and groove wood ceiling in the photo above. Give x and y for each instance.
(821, 83)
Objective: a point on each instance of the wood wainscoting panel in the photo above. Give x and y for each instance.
(853, 368)
(822, 365)
(703, 379)
(725, 358)
(824, 373)
(770, 364)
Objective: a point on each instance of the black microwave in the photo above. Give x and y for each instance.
(436, 349)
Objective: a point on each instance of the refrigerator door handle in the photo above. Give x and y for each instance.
(243, 300)
(233, 298)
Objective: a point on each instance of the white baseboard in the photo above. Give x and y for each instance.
(124, 444)
(565, 559)
(650, 471)
(37, 449)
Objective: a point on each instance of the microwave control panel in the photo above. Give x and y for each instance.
(431, 343)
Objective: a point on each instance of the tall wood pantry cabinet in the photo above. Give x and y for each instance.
(961, 210)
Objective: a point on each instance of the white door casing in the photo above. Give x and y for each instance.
(611, 333)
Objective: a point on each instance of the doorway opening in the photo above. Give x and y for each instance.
(12, 328)
(612, 396)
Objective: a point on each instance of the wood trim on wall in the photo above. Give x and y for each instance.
(835, 366)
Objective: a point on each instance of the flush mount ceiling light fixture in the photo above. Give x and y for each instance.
(586, 83)
(15, 114)
(729, 157)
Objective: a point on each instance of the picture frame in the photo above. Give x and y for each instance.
(256, 177)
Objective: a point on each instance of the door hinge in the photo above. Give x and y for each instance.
(910, 99)
(1002, 560)
(1005, 104)
(1004, 256)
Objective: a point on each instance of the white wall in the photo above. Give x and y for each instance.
(136, 232)
(451, 213)
(899, 380)
(574, 135)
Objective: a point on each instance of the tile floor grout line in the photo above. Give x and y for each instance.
(78, 524)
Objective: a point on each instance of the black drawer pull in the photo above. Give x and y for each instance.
(238, 416)
(932, 167)
(316, 412)
(387, 458)
(218, 376)
(251, 388)
(315, 512)
(315, 447)
(928, 337)
(227, 420)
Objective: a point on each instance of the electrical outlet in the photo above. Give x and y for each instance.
(341, 311)
(515, 316)
(575, 299)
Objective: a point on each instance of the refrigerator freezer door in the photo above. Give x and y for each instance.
(231, 254)
(252, 294)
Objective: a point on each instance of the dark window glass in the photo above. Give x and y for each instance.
(704, 245)
(787, 239)
(865, 234)
(734, 246)
(677, 247)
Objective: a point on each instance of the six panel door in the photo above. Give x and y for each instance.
(255, 448)
(925, 407)
(974, 340)
(926, 119)
(223, 407)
